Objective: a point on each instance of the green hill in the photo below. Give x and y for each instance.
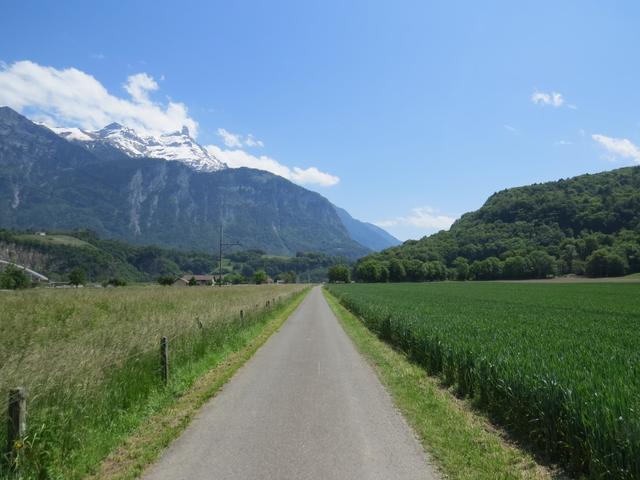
(56, 254)
(583, 225)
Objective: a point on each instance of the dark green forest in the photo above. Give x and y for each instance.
(58, 254)
(587, 225)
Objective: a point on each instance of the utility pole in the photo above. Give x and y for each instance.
(222, 244)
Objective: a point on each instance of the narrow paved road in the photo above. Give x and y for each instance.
(306, 406)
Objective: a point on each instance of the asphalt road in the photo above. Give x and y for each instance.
(306, 406)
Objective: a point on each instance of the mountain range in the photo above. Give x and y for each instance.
(175, 146)
(163, 190)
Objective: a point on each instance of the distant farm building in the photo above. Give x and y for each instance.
(199, 280)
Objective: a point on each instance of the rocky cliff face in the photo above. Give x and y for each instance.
(49, 183)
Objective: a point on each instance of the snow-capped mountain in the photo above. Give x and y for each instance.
(176, 146)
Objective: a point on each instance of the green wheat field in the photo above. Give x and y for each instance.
(558, 365)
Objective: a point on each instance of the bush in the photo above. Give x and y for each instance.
(115, 282)
(235, 279)
(13, 278)
(166, 280)
(260, 277)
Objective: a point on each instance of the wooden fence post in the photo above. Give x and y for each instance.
(17, 422)
(164, 359)
(241, 314)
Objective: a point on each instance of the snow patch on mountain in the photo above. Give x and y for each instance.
(175, 146)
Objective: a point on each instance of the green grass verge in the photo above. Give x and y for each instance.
(463, 444)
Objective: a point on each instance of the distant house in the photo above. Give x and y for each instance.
(200, 280)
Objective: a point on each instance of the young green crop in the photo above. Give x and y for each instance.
(559, 364)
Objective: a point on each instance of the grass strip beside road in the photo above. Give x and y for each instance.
(159, 430)
(463, 444)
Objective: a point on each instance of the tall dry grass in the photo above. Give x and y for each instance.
(89, 358)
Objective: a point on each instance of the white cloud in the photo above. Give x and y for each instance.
(304, 176)
(250, 141)
(230, 139)
(235, 140)
(510, 128)
(554, 99)
(139, 86)
(425, 217)
(619, 147)
(563, 142)
(72, 98)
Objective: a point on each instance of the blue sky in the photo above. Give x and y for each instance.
(420, 109)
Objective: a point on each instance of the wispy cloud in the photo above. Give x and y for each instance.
(619, 147)
(72, 98)
(553, 99)
(563, 142)
(235, 140)
(304, 176)
(250, 141)
(230, 139)
(98, 56)
(425, 217)
(510, 128)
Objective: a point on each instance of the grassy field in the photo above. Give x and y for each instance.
(57, 240)
(558, 365)
(90, 360)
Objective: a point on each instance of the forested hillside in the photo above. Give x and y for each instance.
(57, 254)
(586, 225)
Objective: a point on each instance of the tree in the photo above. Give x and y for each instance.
(234, 279)
(516, 268)
(462, 268)
(193, 282)
(397, 272)
(288, 277)
(166, 280)
(542, 264)
(77, 276)
(339, 273)
(433, 271)
(371, 271)
(260, 277)
(415, 270)
(487, 269)
(605, 263)
(13, 278)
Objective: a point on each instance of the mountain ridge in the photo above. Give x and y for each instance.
(175, 146)
(47, 182)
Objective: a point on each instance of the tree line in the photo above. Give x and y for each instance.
(587, 225)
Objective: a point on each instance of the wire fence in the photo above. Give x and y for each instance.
(186, 343)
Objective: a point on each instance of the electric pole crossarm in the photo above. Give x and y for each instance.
(222, 245)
